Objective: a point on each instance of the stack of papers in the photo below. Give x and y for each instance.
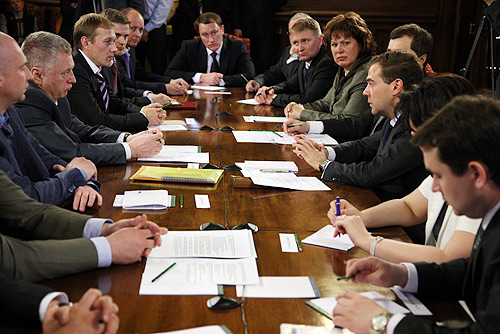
(274, 137)
(203, 330)
(144, 200)
(281, 287)
(169, 174)
(289, 181)
(201, 87)
(249, 168)
(252, 102)
(203, 260)
(171, 125)
(179, 153)
(265, 119)
(324, 238)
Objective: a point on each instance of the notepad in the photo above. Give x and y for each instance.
(145, 200)
(172, 174)
(201, 87)
(265, 119)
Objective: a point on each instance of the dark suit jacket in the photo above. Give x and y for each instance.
(353, 128)
(20, 302)
(37, 182)
(129, 94)
(393, 170)
(279, 72)
(475, 280)
(64, 135)
(319, 80)
(192, 58)
(86, 102)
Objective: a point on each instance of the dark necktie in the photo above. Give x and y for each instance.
(439, 222)
(475, 252)
(9, 135)
(304, 76)
(387, 132)
(102, 88)
(126, 56)
(114, 69)
(215, 64)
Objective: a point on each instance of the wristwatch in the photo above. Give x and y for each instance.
(322, 166)
(379, 323)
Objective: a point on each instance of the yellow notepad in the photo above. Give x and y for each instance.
(172, 174)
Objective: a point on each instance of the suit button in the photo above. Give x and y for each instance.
(71, 189)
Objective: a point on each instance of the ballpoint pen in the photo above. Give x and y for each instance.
(337, 203)
(163, 272)
(182, 201)
(266, 91)
(244, 78)
(298, 242)
(344, 278)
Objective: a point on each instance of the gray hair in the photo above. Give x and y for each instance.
(299, 16)
(41, 49)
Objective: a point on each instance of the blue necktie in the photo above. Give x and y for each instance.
(387, 132)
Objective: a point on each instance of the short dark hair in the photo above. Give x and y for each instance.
(423, 100)
(306, 24)
(466, 129)
(207, 18)
(422, 40)
(115, 16)
(399, 64)
(352, 25)
(87, 25)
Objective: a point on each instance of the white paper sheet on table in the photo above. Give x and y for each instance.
(213, 329)
(318, 138)
(201, 87)
(216, 93)
(202, 271)
(145, 199)
(265, 119)
(324, 238)
(215, 244)
(288, 181)
(271, 165)
(278, 137)
(252, 102)
(326, 305)
(281, 287)
(303, 329)
(170, 127)
(202, 158)
(118, 203)
(413, 303)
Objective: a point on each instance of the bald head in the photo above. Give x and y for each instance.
(136, 26)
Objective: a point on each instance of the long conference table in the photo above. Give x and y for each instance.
(273, 210)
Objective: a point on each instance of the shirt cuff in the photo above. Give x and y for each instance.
(394, 322)
(103, 248)
(197, 77)
(331, 153)
(121, 137)
(145, 94)
(222, 83)
(93, 227)
(316, 127)
(44, 304)
(83, 173)
(412, 284)
(128, 151)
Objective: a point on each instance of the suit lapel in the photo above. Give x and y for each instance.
(78, 58)
(133, 61)
(225, 56)
(300, 72)
(202, 57)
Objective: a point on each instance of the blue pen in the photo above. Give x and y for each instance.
(337, 202)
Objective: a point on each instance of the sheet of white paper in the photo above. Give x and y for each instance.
(217, 93)
(413, 303)
(192, 165)
(201, 87)
(288, 243)
(271, 165)
(170, 127)
(252, 102)
(303, 329)
(265, 119)
(328, 304)
(318, 138)
(254, 136)
(172, 149)
(229, 244)
(281, 287)
(213, 329)
(203, 158)
(118, 202)
(190, 120)
(202, 201)
(324, 238)
(189, 92)
(288, 181)
(202, 271)
(145, 199)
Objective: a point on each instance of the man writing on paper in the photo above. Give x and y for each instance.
(315, 74)
(48, 117)
(384, 161)
(213, 59)
(461, 148)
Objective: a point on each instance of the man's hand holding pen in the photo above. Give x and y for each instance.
(265, 95)
(211, 79)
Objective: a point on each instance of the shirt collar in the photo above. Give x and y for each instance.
(209, 52)
(395, 119)
(487, 218)
(95, 69)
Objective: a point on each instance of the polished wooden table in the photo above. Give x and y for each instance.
(273, 210)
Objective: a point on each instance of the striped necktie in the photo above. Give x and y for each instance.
(126, 57)
(103, 89)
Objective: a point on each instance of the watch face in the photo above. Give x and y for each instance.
(379, 322)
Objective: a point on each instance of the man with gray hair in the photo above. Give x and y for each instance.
(47, 114)
(285, 68)
(315, 73)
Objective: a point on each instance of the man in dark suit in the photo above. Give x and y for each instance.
(385, 161)
(133, 74)
(284, 69)
(91, 99)
(461, 148)
(24, 160)
(213, 59)
(315, 73)
(48, 117)
(37, 304)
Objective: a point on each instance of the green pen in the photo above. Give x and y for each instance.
(244, 77)
(166, 105)
(229, 104)
(164, 271)
(344, 278)
(182, 201)
(298, 242)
